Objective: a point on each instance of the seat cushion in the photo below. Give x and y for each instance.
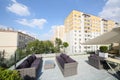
(70, 60)
(64, 56)
(36, 63)
(34, 57)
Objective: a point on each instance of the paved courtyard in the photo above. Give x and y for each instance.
(85, 71)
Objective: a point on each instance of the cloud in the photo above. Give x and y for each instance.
(18, 8)
(111, 10)
(32, 23)
(2, 26)
(48, 35)
(5, 27)
(14, 1)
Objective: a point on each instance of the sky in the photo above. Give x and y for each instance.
(39, 17)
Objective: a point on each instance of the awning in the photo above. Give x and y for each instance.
(112, 36)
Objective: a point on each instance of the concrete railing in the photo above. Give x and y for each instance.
(13, 67)
(39, 55)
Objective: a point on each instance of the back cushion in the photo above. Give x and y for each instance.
(61, 61)
(64, 56)
(34, 57)
(30, 59)
(91, 55)
(70, 60)
(19, 67)
(25, 64)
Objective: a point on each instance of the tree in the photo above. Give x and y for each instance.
(20, 53)
(58, 42)
(34, 47)
(65, 45)
(39, 47)
(48, 45)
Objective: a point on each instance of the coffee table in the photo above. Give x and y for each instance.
(49, 64)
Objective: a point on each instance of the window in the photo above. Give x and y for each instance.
(75, 51)
(75, 43)
(79, 47)
(88, 35)
(75, 15)
(85, 31)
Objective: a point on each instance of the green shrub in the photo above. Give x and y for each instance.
(103, 49)
(90, 52)
(6, 74)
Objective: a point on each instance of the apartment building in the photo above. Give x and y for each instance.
(59, 32)
(80, 27)
(11, 40)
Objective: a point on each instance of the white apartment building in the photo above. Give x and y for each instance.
(59, 32)
(11, 40)
(80, 27)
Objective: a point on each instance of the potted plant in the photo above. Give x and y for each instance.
(103, 51)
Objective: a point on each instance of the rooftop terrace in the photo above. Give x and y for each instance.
(85, 71)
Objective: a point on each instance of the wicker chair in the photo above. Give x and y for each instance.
(96, 61)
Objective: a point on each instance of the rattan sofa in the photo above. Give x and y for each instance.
(67, 65)
(97, 61)
(29, 67)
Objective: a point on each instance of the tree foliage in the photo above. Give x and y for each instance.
(65, 45)
(33, 47)
(103, 49)
(58, 43)
(39, 47)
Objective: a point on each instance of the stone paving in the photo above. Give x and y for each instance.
(85, 71)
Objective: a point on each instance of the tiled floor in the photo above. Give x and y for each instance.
(85, 71)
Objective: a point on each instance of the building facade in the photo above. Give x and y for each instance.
(11, 40)
(80, 27)
(59, 32)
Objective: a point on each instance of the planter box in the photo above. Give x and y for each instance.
(105, 55)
